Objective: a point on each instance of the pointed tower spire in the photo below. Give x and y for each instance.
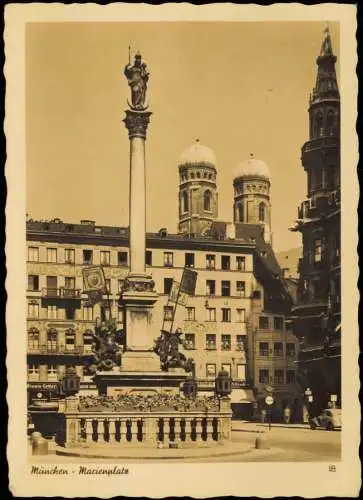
(326, 47)
(326, 86)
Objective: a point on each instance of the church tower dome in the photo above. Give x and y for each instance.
(252, 194)
(198, 198)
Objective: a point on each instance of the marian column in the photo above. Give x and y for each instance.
(138, 295)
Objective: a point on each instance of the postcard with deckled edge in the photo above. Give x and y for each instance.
(181, 215)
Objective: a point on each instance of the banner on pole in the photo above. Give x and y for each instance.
(94, 283)
(177, 296)
(188, 281)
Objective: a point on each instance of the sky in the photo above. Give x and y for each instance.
(240, 87)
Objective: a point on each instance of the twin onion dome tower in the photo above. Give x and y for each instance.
(198, 196)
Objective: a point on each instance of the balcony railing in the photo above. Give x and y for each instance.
(320, 143)
(212, 346)
(61, 349)
(61, 293)
(226, 346)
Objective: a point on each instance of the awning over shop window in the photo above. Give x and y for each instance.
(242, 396)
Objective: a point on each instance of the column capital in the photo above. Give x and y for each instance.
(137, 122)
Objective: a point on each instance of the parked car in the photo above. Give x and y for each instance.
(330, 419)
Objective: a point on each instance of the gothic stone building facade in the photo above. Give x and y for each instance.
(317, 313)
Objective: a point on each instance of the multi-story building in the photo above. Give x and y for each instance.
(317, 312)
(239, 283)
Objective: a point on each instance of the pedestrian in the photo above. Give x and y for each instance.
(287, 415)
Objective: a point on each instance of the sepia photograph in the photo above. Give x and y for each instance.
(182, 233)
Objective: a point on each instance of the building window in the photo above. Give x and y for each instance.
(264, 376)
(168, 259)
(168, 283)
(278, 349)
(278, 323)
(33, 372)
(189, 342)
(261, 212)
(88, 313)
(33, 254)
(263, 323)
(33, 338)
(290, 377)
(190, 313)
(319, 125)
(52, 286)
(240, 263)
(318, 250)
(240, 342)
(52, 372)
(263, 348)
(210, 261)
(51, 255)
(241, 315)
(290, 349)
(87, 257)
(33, 310)
(210, 341)
(226, 262)
(105, 312)
(52, 312)
(226, 343)
(69, 255)
(210, 287)
(70, 339)
(210, 370)
(168, 313)
(240, 212)
(318, 177)
(88, 341)
(185, 204)
(105, 257)
(226, 315)
(211, 314)
(52, 340)
(241, 288)
(279, 377)
(207, 201)
(226, 367)
(241, 372)
(69, 283)
(148, 258)
(226, 288)
(189, 260)
(122, 259)
(33, 283)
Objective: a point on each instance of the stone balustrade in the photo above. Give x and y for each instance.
(90, 428)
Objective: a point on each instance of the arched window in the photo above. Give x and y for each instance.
(319, 125)
(207, 201)
(198, 175)
(240, 213)
(261, 212)
(185, 205)
(33, 338)
(330, 122)
(52, 340)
